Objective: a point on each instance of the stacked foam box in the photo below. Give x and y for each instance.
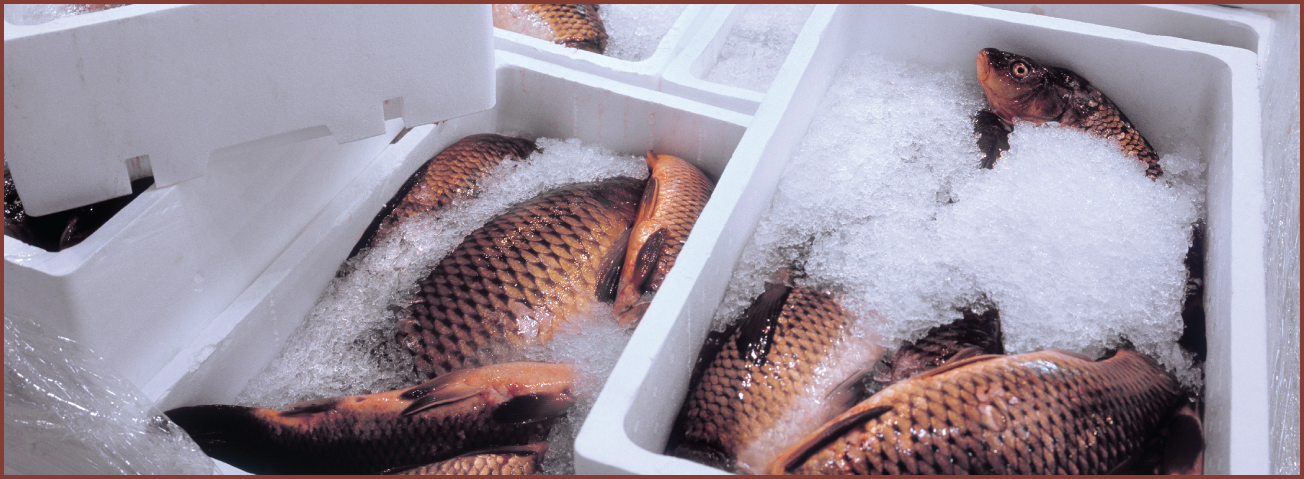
(741, 138)
(1215, 101)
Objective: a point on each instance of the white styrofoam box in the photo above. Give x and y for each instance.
(139, 288)
(1204, 23)
(164, 86)
(645, 73)
(1169, 87)
(684, 75)
(534, 99)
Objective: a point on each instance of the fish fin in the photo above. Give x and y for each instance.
(648, 255)
(829, 432)
(1184, 447)
(235, 435)
(609, 268)
(854, 389)
(532, 408)
(437, 392)
(966, 353)
(651, 197)
(993, 137)
(956, 365)
(310, 407)
(759, 323)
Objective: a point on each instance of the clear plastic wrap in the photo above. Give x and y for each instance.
(1281, 134)
(66, 412)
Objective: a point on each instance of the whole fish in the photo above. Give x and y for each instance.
(1048, 412)
(499, 461)
(1017, 87)
(573, 25)
(500, 405)
(450, 174)
(515, 280)
(760, 372)
(675, 195)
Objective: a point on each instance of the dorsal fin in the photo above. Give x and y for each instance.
(813, 442)
(759, 323)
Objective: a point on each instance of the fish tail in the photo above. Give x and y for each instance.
(233, 434)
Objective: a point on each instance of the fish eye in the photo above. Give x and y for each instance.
(1019, 69)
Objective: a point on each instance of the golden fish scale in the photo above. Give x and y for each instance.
(684, 191)
(540, 259)
(736, 401)
(482, 465)
(450, 174)
(573, 25)
(1039, 413)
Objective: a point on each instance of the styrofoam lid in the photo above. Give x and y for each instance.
(157, 89)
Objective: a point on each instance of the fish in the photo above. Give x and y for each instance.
(759, 372)
(64, 229)
(1019, 88)
(972, 334)
(507, 404)
(1046, 412)
(499, 461)
(452, 173)
(674, 197)
(573, 25)
(514, 281)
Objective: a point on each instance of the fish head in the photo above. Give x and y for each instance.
(1017, 87)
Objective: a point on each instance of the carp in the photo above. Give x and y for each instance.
(517, 279)
(674, 197)
(499, 461)
(757, 374)
(1018, 88)
(452, 173)
(1048, 412)
(573, 25)
(507, 404)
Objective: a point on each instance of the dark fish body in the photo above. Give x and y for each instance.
(450, 174)
(62, 230)
(515, 280)
(1048, 412)
(675, 195)
(760, 371)
(502, 461)
(573, 25)
(1017, 87)
(502, 405)
(972, 334)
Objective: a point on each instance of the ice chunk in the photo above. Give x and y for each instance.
(884, 204)
(634, 29)
(758, 45)
(34, 14)
(66, 413)
(346, 345)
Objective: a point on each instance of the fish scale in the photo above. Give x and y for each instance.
(738, 399)
(1048, 412)
(573, 25)
(516, 279)
(519, 460)
(450, 174)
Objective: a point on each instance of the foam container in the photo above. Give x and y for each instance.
(1170, 87)
(95, 100)
(534, 99)
(685, 75)
(644, 73)
(1214, 24)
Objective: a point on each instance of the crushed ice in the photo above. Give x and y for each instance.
(758, 45)
(635, 30)
(883, 204)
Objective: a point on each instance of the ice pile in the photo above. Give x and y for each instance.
(758, 45)
(346, 345)
(635, 30)
(65, 413)
(883, 204)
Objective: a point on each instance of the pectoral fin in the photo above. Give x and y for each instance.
(648, 255)
(831, 431)
(759, 323)
(437, 392)
(609, 268)
(993, 137)
(532, 408)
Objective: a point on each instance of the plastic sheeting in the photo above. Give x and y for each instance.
(1281, 133)
(67, 413)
